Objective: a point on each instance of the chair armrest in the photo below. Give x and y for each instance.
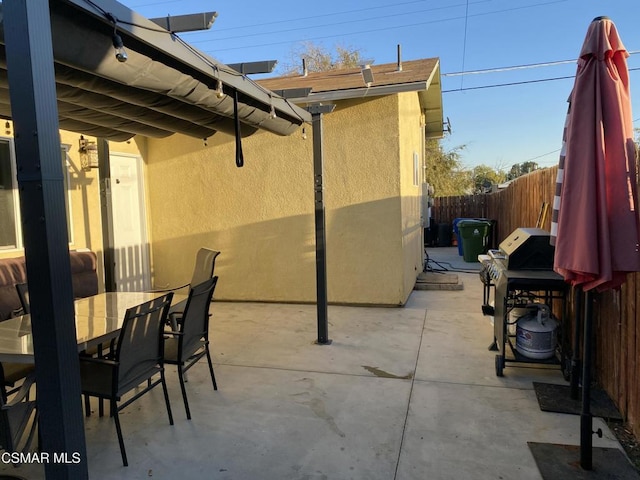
(101, 360)
(172, 333)
(22, 393)
(161, 290)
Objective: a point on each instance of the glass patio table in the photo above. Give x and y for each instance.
(98, 320)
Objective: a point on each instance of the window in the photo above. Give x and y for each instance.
(416, 169)
(8, 198)
(10, 231)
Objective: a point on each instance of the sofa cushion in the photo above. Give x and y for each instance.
(13, 270)
(83, 273)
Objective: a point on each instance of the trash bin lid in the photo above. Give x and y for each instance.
(468, 222)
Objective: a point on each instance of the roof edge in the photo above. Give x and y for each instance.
(365, 92)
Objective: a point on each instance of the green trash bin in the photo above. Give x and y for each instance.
(475, 238)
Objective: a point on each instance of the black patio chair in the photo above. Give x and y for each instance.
(18, 418)
(23, 295)
(12, 375)
(202, 271)
(185, 347)
(136, 359)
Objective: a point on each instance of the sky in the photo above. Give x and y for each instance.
(506, 115)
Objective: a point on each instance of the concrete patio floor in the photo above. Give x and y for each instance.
(401, 393)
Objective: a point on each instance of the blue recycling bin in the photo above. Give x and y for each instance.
(456, 231)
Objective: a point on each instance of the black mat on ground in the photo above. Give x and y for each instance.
(559, 462)
(557, 398)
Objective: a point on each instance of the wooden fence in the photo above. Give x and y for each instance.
(518, 205)
(616, 318)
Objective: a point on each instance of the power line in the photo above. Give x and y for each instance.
(510, 68)
(359, 10)
(518, 67)
(333, 24)
(154, 4)
(377, 30)
(510, 84)
(464, 41)
(314, 17)
(525, 82)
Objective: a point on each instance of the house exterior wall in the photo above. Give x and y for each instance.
(261, 216)
(362, 185)
(412, 147)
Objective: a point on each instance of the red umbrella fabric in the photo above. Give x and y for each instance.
(597, 238)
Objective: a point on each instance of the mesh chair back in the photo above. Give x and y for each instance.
(23, 294)
(18, 419)
(140, 344)
(205, 262)
(195, 320)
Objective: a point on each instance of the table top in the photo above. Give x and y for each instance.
(98, 319)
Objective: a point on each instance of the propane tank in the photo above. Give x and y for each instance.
(536, 335)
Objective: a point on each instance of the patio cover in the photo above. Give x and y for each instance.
(165, 86)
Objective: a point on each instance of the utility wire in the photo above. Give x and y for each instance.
(345, 12)
(518, 67)
(314, 17)
(377, 30)
(332, 24)
(510, 84)
(464, 41)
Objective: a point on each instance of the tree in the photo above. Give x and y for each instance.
(519, 169)
(320, 59)
(445, 172)
(484, 177)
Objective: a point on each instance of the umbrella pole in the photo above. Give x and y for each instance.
(586, 420)
(575, 359)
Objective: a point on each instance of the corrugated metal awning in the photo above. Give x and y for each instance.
(165, 87)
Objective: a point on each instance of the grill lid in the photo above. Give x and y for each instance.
(528, 249)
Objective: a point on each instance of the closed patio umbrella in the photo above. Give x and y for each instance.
(597, 233)
(598, 227)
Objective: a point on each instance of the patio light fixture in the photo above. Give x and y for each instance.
(219, 91)
(121, 53)
(116, 39)
(88, 153)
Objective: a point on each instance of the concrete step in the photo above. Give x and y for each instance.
(438, 281)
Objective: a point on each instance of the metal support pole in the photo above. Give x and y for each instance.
(321, 262)
(575, 359)
(27, 35)
(586, 419)
(106, 210)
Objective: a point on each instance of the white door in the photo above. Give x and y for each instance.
(131, 254)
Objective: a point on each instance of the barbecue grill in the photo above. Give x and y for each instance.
(521, 272)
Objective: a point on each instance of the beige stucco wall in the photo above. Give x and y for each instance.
(258, 216)
(261, 216)
(411, 127)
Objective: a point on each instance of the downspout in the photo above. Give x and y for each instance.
(239, 154)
